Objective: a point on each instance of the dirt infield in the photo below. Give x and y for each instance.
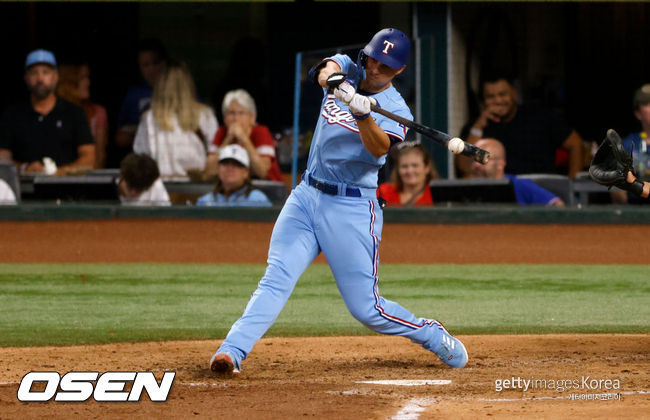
(321, 377)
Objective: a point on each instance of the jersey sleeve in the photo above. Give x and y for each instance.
(395, 130)
(82, 127)
(263, 140)
(354, 73)
(218, 139)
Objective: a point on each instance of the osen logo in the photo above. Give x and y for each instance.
(80, 386)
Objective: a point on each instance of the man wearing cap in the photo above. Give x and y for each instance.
(334, 210)
(45, 126)
(234, 186)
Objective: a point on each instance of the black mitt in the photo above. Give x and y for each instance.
(611, 163)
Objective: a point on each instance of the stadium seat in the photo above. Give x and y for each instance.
(560, 185)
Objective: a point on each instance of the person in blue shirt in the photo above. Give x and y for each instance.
(526, 191)
(233, 186)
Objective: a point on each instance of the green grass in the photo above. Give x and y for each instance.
(63, 304)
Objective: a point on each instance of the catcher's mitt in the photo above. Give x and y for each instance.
(611, 163)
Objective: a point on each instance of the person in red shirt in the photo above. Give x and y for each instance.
(413, 170)
(240, 127)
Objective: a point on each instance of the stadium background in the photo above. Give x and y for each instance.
(586, 58)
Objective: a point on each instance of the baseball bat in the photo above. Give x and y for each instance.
(468, 149)
(457, 146)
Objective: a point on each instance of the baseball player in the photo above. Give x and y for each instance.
(335, 209)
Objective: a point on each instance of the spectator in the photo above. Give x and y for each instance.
(233, 186)
(526, 191)
(240, 127)
(152, 61)
(7, 196)
(45, 125)
(531, 135)
(74, 86)
(177, 128)
(413, 170)
(140, 184)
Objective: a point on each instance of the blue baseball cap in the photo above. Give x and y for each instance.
(40, 57)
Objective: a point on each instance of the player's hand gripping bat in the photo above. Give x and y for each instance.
(454, 145)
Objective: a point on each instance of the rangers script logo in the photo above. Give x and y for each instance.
(335, 115)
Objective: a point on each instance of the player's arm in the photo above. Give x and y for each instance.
(326, 71)
(375, 140)
(86, 160)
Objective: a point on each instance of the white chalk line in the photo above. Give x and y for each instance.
(413, 408)
(407, 382)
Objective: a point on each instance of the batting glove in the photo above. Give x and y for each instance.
(360, 106)
(344, 92)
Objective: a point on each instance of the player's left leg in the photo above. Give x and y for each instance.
(349, 234)
(292, 248)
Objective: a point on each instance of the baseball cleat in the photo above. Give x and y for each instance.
(451, 351)
(223, 364)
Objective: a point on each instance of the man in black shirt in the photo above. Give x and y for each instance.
(45, 126)
(530, 134)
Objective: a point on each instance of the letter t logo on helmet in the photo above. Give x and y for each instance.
(389, 46)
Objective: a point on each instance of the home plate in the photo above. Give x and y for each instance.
(408, 382)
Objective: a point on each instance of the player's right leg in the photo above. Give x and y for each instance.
(292, 248)
(351, 246)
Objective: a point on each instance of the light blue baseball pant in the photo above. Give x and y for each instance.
(348, 231)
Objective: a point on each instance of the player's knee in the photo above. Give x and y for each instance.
(367, 315)
(278, 279)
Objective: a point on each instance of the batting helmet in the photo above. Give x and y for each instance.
(389, 46)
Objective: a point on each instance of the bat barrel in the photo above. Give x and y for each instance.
(476, 153)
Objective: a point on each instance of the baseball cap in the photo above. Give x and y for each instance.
(40, 57)
(642, 95)
(236, 153)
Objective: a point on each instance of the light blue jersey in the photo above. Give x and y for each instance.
(337, 154)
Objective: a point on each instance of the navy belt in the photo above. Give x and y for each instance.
(332, 189)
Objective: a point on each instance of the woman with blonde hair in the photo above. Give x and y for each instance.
(74, 86)
(413, 170)
(177, 129)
